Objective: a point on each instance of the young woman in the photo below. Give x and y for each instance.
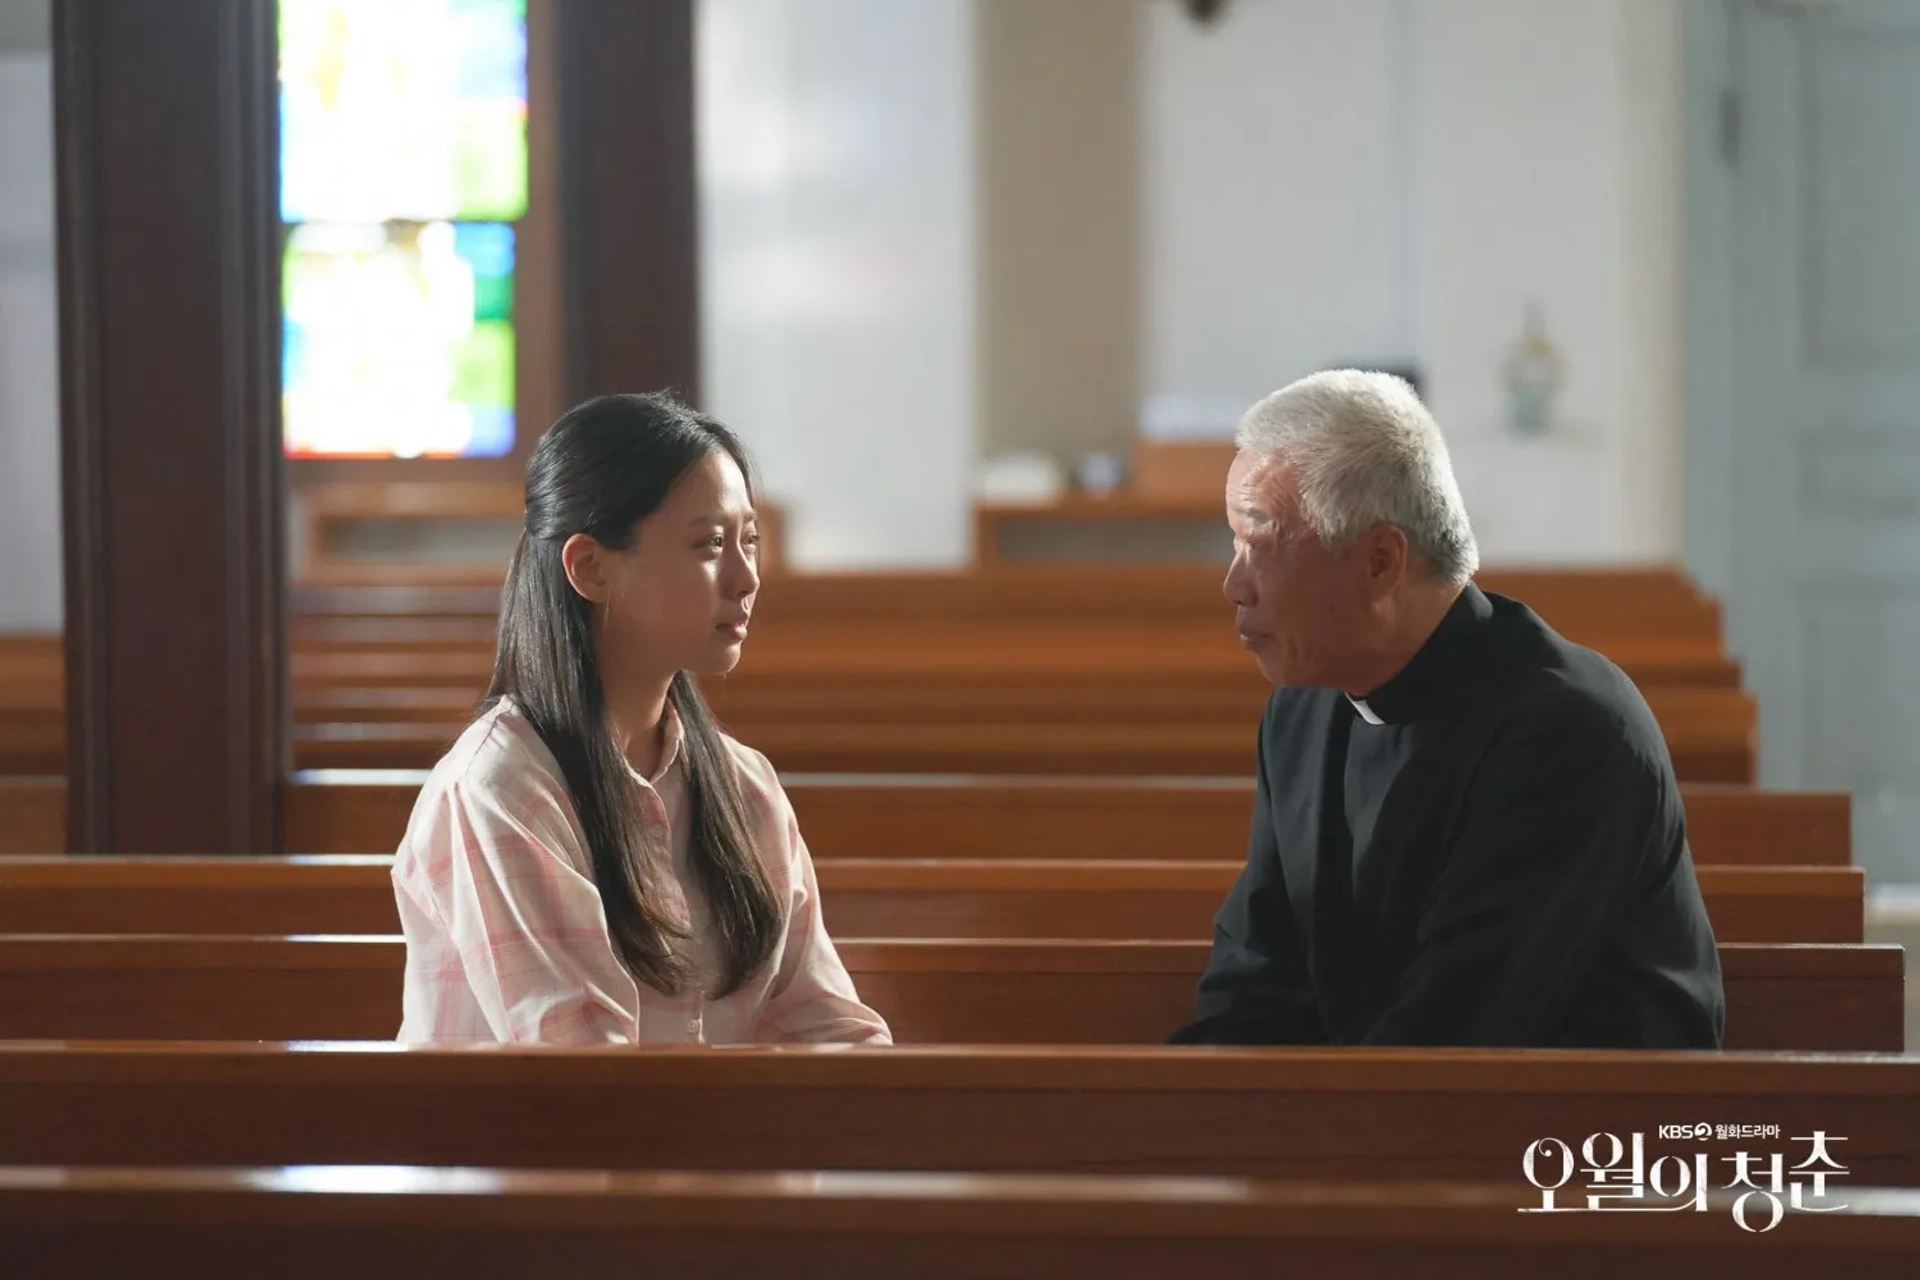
(594, 860)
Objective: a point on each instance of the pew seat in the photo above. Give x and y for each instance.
(1270, 1113)
(931, 991)
(862, 897)
(404, 1222)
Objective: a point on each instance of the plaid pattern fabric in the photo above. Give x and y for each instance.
(507, 939)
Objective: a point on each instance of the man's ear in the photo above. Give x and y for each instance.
(1388, 555)
(585, 561)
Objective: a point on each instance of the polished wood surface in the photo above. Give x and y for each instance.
(1113, 670)
(1280, 1113)
(404, 1222)
(881, 667)
(959, 701)
(169, 270)
(1813, 998)
(33, 813)
(862, 897)
(959, 816)
(1577, 601)
(1709, 734)
(1206, 819)
(1176, 900)
(1842, 998)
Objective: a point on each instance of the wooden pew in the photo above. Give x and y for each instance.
(986, 694)
(1811, 998)
(1015, 992)
(1652, 617)
(33, 741)
(850, 651)
(1710, 733)
(492, 509)
(956, 816)
(1332, 1114)
(910, 667)
(976, 647)
(407, 1222)
(1595, 607)
(850, 815)
(32, 702)
(28, 657)
(877, 897)
(892, 897)
(976, 692)
(345, 894)
(1647, 601)
(946, 816)
(33, 815)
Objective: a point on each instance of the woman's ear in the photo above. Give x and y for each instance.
(585, 561)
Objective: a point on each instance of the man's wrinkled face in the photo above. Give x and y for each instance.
(1300, 607)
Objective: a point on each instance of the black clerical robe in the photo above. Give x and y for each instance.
(1490, 849)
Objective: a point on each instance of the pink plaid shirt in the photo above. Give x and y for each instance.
(507, 939)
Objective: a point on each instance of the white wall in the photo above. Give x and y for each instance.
(1654, 158)
(1276, 214)
(1058, 224)
(30, 537)
(26, 24)
(1377, 179)
(838, 266)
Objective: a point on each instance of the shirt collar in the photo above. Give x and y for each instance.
(671, 738)
(1433, 673)
(1367, 713)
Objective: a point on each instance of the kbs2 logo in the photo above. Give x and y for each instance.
(1669, 1132)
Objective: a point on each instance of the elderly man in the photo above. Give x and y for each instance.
(1466, 829)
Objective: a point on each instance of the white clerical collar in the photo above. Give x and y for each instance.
(1366, 712)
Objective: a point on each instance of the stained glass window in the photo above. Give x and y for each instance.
(403, 166)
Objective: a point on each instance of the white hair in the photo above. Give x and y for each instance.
(1365, 451)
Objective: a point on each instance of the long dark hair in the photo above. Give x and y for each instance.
(599, 470)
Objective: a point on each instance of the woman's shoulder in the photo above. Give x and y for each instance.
(498, 763)
(760, 788)
(753, 766)
(499, 750)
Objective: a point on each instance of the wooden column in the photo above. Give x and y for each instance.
(170, 335)
(629, 202)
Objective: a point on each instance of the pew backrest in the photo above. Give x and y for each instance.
(1811, 998)
(865, 897)
(1278, 1113)
(948, 816)
(312, 1222)
(1717, 748)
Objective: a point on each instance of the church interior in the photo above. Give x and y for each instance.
(290, 290)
